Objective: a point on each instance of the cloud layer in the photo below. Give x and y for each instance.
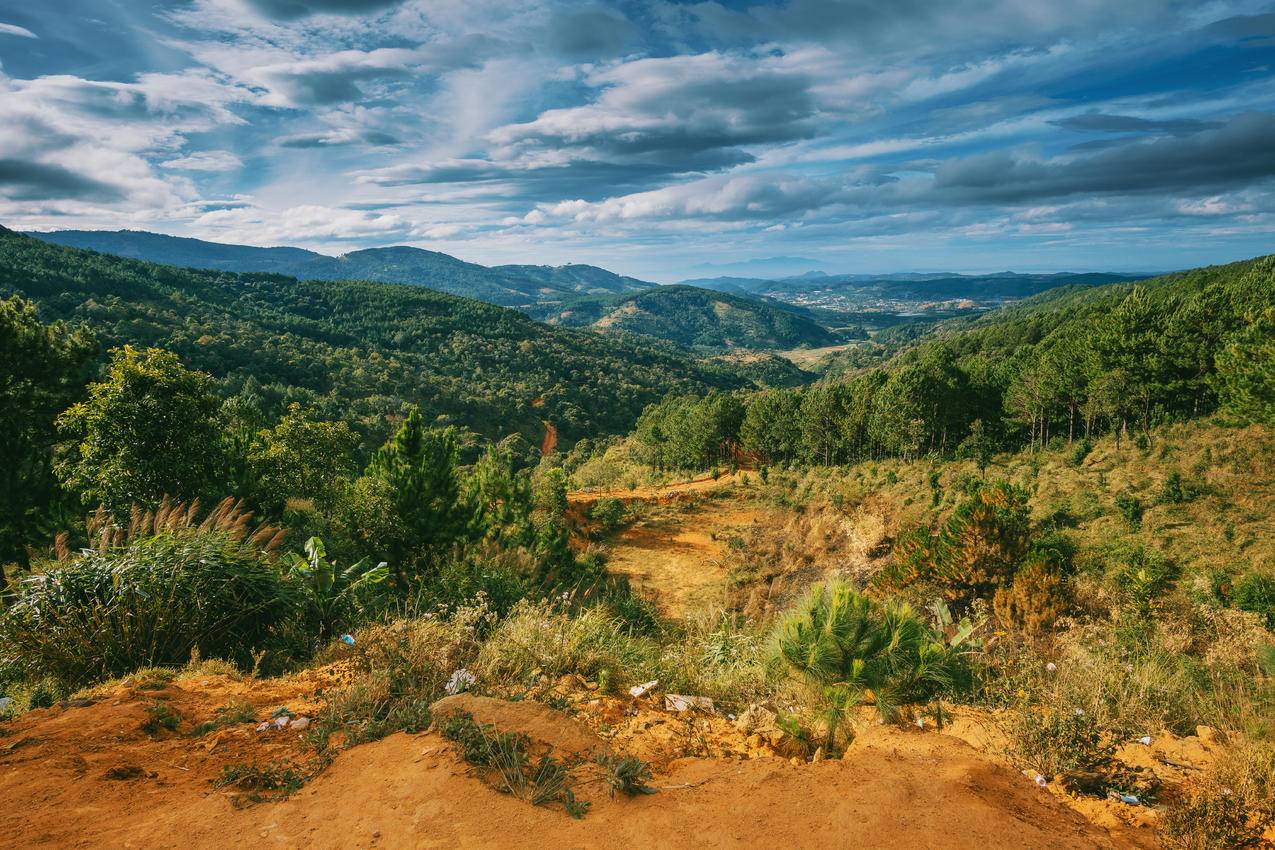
(655, 137)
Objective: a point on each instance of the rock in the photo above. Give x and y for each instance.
(76, 703)
(5, 703)
(682, 702)
(300, 723)
(124, 772)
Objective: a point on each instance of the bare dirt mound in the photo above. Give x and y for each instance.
(895, 789)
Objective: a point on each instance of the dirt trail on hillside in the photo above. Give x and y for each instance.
(895, 789)
(682, 560)
(660, 492)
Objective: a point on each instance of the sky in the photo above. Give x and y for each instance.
(658, 139)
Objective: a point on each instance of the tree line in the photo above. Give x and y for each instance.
(1112, 360)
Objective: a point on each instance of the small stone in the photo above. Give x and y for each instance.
(300, 723)
(818, 756)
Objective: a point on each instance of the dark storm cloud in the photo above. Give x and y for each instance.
(1099, 122)
(287, 10)
(1238, 153)
(26, 180)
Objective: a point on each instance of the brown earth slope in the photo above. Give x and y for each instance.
(895, 789)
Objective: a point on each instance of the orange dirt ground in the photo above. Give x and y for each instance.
(894, 789)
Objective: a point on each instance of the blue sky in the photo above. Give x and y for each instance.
(659, 139)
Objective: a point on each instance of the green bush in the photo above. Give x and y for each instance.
(150, 601)
(1056, 742)
(608, 513)
(1130, 507)
(845, 645)
(1255, 593)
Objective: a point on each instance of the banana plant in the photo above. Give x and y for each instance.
(332, 591)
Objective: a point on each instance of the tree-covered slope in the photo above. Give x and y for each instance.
(360, 351)
(508, 286)
(700, 318)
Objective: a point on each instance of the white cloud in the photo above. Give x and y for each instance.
(14, 29)
(205, 161)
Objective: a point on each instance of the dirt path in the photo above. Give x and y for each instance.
(681, 557)
(660, 492)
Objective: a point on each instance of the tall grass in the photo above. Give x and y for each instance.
(150, 594)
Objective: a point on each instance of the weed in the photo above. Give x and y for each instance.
(503, 756)
(232, 713)
(278, 778)
(1057, 742)
(626, 774)
(160, 716)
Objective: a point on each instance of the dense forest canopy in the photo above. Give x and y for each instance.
(356, 351)
(1063, 365)
(699, 318)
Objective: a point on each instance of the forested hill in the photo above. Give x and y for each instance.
(358, 351)
(1058, 368)
(508, 286)
(700, 318)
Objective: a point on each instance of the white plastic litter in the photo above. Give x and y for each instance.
(642, 689)
(263, 725)
(682, 702)
(1128, 799)
(1041, 781)
(281, 721)
(1051, 666)
(5, 702)
(1145, 740)
(461, 680)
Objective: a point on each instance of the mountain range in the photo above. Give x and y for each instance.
(519, 286)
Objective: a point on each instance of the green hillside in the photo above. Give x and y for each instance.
(519, 286)
(699, 318)
(359, 351)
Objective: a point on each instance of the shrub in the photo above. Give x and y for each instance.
(976, 550)
(608, 513)
(400, 668)
(1056, 742)
(538, 638)
(1130, 507)
(1139, 575)
(151, 596)
(844, 644)
(1231, 807)
(1255, 593)
(332, 597)
(1173, 492)
(1035, 600)
(1080, 451)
